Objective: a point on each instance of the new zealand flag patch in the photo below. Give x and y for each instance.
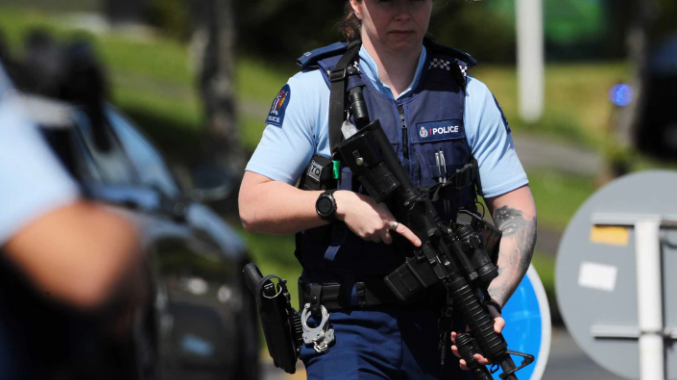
(279, 106)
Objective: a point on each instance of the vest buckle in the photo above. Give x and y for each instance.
(338, 75)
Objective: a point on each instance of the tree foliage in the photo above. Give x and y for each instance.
(281, 30)
(478, 28)
(171, 16)
(286, 29)
(664, 26)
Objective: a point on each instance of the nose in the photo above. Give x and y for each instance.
(403, 9)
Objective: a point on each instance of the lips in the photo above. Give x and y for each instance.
(401, 33)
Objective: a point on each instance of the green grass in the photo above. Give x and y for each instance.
(558, 196)
(577, 106)
(251, 128)
(152, 80)
(274, 254)
(258, 82)
(545, 267)
(150, 57)
(188, 114)
(158, 59)
(60, 5)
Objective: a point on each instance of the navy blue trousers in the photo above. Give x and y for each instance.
(389, 343)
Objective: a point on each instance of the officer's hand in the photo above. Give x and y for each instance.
(369, 220)
(499, 324)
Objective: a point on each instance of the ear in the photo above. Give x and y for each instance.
(357, 9)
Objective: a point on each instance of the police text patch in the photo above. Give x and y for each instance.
(439, 131)
(279, 106)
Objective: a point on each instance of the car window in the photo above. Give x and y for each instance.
(109, 167)
(150, 165)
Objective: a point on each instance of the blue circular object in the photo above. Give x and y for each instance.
(527, 326)
(621, 95)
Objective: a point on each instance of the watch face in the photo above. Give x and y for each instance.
(325, 206)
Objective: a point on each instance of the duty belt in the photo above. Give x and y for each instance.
(338, 296)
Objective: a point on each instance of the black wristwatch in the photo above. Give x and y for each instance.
(326, 206)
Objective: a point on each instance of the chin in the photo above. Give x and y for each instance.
(404, 46)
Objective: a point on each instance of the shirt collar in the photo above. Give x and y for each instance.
(370, 69)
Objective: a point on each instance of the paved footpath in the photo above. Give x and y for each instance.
(541, 153)
(545, 153)
(568, 362)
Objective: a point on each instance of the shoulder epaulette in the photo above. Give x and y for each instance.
(434, 47)
(309, 59)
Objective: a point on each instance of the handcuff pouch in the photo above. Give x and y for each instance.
(318, 175)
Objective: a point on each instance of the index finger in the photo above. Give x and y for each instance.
(499, 322)
(408, 234)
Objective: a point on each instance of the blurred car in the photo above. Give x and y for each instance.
(200, 321)
(656, 129)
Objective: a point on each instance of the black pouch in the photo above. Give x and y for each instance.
(319, 174)
(366, 153)
(281, 323)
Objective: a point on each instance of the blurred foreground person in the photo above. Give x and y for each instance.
(66, 263)
(440, 121)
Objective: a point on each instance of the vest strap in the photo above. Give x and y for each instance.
(338, 77)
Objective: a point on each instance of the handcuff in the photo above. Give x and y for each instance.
(320, 336)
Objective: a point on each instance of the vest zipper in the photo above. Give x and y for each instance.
(405, 137)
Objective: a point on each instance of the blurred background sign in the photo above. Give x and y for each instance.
(615, 285)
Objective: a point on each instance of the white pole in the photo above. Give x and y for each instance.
(649, 300)
(530, 59)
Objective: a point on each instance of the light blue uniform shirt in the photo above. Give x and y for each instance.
(284, 152)
(32, 181)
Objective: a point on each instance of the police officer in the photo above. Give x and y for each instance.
(438, 119)
(72, 252)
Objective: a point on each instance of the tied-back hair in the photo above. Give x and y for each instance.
(350, 25)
